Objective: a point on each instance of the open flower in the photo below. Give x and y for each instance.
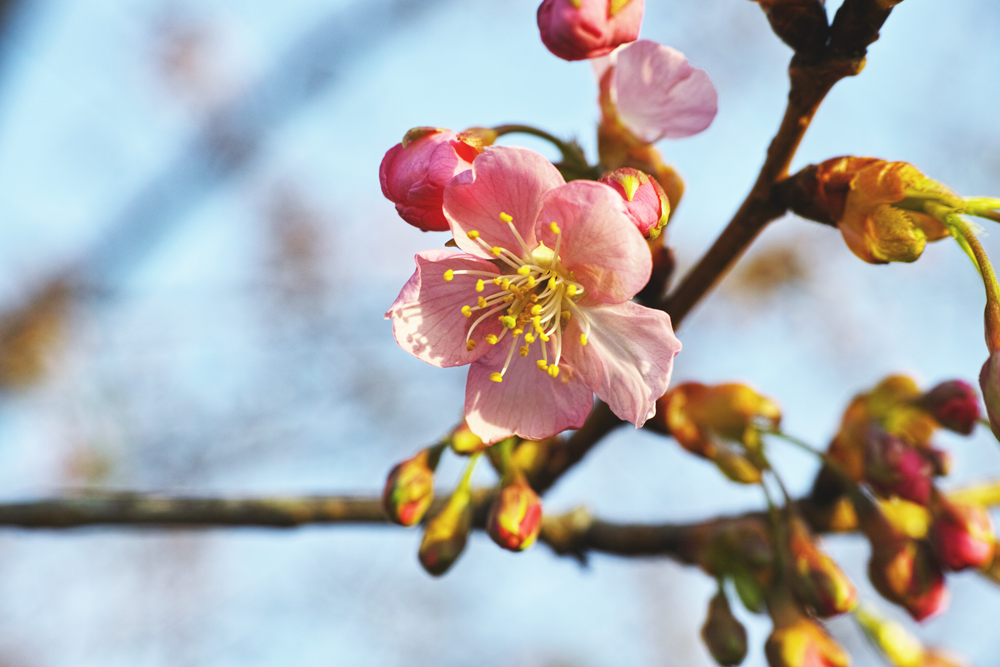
(538, 303)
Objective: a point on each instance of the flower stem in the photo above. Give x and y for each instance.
(466, 481)
(568, 151)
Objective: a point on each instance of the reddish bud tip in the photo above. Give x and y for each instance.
(581, 29)
(414, 172)
(446, 534)
(409, 490)
(645, 201)
(515, 516)
(893, 467)
(803, 643)
(962, 535)
(817, 580)
(954, 404)
(906, 572)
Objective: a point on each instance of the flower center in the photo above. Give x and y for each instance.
(533, 300)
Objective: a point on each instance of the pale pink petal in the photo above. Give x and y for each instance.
(528, 402)
(503, 179)
(658, 94)
(600, 244)
(628, 357)
(600, 65)
(427, 318)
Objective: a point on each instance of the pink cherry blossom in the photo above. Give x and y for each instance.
(654, 93)
(581, 29)
(414, 172)
(538, 302)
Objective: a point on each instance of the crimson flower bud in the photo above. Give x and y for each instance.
(446, 534)
(409, 489)
(817, 580)
(893, 467)
(802, 643)
(962, 535)
(724, 635)
(645, 201)
(515, 515)
(581, 29)
(414, 172)
(906, 572)
(989, 383)
(954, 404)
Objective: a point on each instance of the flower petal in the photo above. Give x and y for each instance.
(628, 357)
(528, 402)
(658, 94)
(600, 243)
(503, 179)
(427, 318)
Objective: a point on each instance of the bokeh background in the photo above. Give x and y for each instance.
(195, 258)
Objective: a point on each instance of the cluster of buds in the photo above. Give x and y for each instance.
(722, 423)
(916, 533)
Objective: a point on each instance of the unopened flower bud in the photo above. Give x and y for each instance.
(817, 580)
(954, 404)
(802, 643)
(465, 442)
(515, 515)
(414, 172)
(645, 201)
(446, 534)
(802, 24)
(905, 572)
(989, 384)
(409, 489)
(898, 646)
(582, 29)
(724, 635)
(962, 535)
(893, 467)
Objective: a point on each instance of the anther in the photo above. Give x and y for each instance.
(530, 283)
(508, 321)
(491, 339)
(496, 377)
(542, 366)
(497, 281)
(505, 218)
(583, 339)
(524, 350)
(449, 274)
(536, 310)
(496, 250)
(571, 290)
(467, 311)
(524, 270)
(470, 345)
(553, 371)
(473, 235)
(529, 338)
(480, 285)
(482, 302)
(518, 331)
(555, 228)
(505, 284)
(553, 284)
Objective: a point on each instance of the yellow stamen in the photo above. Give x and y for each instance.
(482, 302)
(530, 283)
(524, 270)
(508, 321)
(583, 339)
(553, 371)
(552, 284)
(555, 228)
(518, 332)
(536, 310)
(542, 365)
(491, 339)
(505, 218)
(524, 350)
(480, 285)
(496, 377)
(545, 339)
(497, 281)
(496, 250)
(449, 274)
(467, 311)
(505, 285)
(470, 345)
(473, 235)
(570, 290)
(529, 338)
(565, 315)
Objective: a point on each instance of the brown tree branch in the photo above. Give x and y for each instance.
(855, 27)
